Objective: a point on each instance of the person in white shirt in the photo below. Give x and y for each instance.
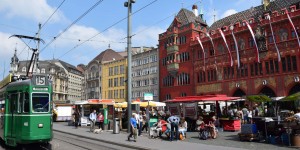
(183, 126)
(141, 120)
(93, 117)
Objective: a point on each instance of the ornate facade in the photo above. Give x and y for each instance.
(262, 70)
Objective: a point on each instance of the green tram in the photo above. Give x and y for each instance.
(26, 110)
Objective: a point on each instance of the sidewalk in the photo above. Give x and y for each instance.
(143, 142)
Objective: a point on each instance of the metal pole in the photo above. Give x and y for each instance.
(129, 64)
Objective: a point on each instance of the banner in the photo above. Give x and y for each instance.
(202, 50)
(287, 13)
(190, 110)
(274, 40)
(174, 108)
(212, 43)
(252, 34)
(237, 49)
(223, 36)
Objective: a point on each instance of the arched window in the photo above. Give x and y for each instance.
(183, 79)
(24, 69)
(43, 70)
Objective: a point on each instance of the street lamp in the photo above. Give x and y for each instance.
(129, 6)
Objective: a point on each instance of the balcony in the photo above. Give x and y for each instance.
(171, 49)
(172, 67)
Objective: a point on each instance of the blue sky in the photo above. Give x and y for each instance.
(22, 17)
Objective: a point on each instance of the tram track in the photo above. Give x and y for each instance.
(84, 143)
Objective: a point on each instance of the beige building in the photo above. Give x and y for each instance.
(66, 79)
(93, 74)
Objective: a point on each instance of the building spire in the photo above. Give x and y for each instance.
(214, 15)
(14, 62)
(201, 10)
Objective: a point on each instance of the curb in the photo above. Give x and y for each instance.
(106, 141)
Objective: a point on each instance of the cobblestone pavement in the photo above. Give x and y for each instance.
(230, 139)
(225, 140)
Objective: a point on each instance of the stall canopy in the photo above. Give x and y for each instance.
(217, 97)
(258, 98)
(97, 101)
(292, 97)
(142, 104)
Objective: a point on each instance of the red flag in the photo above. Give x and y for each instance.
(237, 49)
(202, 50)
(278, 53)
(222, 34)
(251, 31)
(287, 13)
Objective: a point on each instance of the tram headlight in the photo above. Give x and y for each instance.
(26, 124)
(41, 125)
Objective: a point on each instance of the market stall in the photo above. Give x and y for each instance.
(190, 107)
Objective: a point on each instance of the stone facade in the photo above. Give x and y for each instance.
(145, 74)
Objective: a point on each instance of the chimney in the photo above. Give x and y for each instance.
(195, 10)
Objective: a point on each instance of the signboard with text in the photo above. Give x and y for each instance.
(148, 96)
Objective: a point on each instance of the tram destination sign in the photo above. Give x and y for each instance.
(40, 80)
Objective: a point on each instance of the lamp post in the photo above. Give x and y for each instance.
(129, 6)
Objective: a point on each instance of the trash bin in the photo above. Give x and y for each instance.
(116, 127)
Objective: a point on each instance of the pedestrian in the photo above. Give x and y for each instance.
(93, 117)
(133, 128)
(76, 115)
(174, 121)
(145, 123)
(100, 118)
(137, 118)
(141, 120)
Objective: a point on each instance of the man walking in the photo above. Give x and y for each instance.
(76, 115)
(93, 117)
(174, 121)
(133, 127)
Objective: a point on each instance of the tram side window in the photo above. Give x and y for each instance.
(26, 103)
(20, 100)
(13, 103)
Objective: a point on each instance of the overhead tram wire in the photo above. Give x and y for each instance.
(45, 23)
(143, 30)
(52, 14)
(32, 31)
(79, 18)
(106, 29)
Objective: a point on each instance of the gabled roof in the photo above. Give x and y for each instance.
(253, 12)
(185, 17)
(107, 55)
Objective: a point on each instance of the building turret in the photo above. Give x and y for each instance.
(14, 63)
(195, 10)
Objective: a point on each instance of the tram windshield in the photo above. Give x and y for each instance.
(40, 102)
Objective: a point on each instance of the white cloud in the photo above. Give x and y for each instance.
(7, 48)
(37, 10)
(228, 13)
(147, 36)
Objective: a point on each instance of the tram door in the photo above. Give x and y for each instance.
(12, 112)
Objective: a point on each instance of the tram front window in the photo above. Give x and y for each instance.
(40, 102)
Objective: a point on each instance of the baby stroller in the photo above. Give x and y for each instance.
(203, 132)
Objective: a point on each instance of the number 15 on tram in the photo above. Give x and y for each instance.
(26, 110)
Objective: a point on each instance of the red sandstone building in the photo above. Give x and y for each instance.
(186, 71)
